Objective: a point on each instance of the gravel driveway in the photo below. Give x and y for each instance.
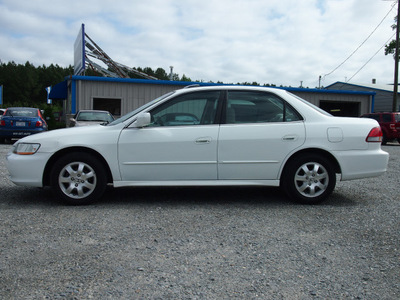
(202, 243)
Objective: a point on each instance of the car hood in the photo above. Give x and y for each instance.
(87, 136)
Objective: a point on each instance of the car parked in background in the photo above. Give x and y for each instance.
(205, 136)
(91, 117)
(18, 122)
(390, 125)
(2, 110)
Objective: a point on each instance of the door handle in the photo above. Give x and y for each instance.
(289, 138)
(203, 140)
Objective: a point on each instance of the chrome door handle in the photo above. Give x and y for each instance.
(203, 141)
(289, 138)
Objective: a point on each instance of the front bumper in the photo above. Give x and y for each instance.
(27, 170)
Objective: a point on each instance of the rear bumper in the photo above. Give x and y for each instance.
(362, 164)
(5, 133)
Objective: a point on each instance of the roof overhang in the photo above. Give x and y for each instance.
(59, 91)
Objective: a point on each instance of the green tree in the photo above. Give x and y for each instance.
(184, 78)
(24, 85)
(391, 47)
(161, 74)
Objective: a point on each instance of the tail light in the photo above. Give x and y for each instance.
(39, 123)
(2, 123)
(392, 126)
(374, 136)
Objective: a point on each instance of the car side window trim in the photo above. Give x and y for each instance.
(253, 113)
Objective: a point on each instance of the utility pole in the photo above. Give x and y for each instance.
(396, 63)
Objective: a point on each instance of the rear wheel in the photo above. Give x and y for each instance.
(78, 178)
(309, 179)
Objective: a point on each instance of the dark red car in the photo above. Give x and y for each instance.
(390, 125)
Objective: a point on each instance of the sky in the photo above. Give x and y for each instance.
(281, 42)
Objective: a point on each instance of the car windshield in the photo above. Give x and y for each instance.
(95, 116)
(138, 110)
(22, 112)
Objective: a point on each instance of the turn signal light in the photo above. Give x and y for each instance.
(374, 136)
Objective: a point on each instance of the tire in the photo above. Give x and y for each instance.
(384, 140)
(309, 179)
(78, 178)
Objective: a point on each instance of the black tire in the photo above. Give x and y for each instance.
(78, 178)
(309, 179)
(384, 140)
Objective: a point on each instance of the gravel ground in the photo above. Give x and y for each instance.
(202, 243)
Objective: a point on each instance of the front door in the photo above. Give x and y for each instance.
(180, 144)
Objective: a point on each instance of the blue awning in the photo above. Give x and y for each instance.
(59, 91)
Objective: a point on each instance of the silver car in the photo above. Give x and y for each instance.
(91, 117)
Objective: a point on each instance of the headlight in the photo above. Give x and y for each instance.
(26, 149)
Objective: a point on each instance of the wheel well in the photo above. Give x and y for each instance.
(57, 155)
(314, 151)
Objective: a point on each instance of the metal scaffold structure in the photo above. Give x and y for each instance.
(87, 51)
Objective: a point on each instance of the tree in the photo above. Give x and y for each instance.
(24, 85)
(161, 74)
(391, 47)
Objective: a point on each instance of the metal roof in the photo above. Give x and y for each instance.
(371, 86)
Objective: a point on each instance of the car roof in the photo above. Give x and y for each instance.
(92, 110)
(193, 88)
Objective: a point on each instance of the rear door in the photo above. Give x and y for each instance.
(260, 131)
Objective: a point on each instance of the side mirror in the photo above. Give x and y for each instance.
(143, 120)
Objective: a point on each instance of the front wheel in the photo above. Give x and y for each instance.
(78, 178)
(309, 179)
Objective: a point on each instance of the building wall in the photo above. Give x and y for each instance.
(365, 101)
(383, 99)
(131, 95)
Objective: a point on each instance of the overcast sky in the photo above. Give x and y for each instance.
(280, 42)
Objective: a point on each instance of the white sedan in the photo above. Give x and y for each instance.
(204, 136)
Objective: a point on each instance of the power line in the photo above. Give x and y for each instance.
(371, 58)
(393, 5)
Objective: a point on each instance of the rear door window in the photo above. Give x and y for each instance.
(258, 107)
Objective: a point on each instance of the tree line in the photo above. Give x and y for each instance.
(25, 84)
